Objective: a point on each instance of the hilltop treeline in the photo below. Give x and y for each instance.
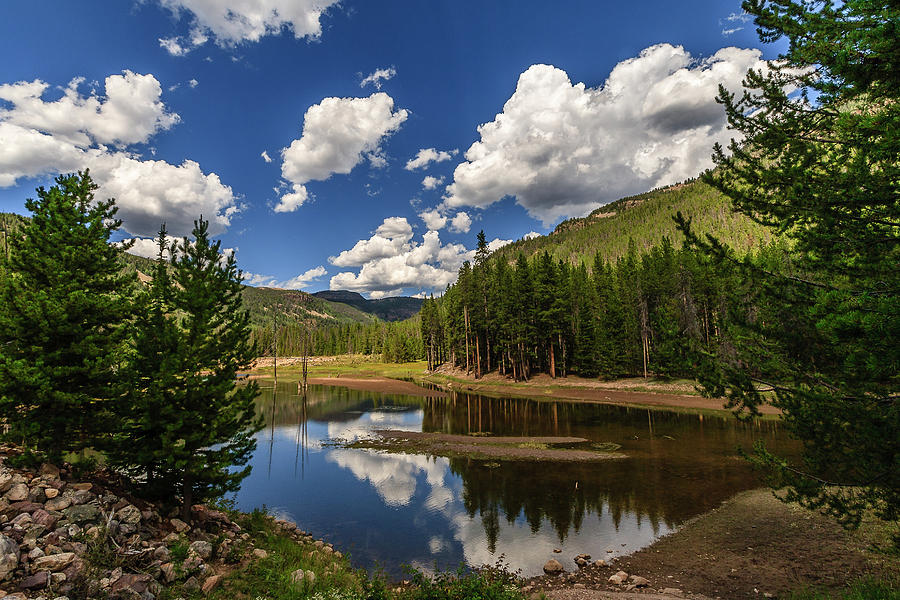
(655, 312)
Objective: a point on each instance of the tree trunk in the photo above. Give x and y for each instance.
(466, 317)
(187, 496)
(552, 361)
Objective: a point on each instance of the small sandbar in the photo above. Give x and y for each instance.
(551, 449)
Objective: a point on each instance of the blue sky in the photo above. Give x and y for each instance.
(536, 111)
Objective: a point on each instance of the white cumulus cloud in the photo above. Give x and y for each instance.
(235, 21)
(429, 183)
(40, 138)
(377, 77)
(390, 239)
(461, 222)
(433, 219)
(426, 156)
(563, 149)
(338, 134)
(294, 283)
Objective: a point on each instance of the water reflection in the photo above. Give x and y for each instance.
(394, 509)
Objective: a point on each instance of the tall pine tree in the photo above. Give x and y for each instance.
(64, 304)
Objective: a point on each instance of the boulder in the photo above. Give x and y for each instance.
(9, 556)
(639, 581)
(130, 515)
(168, 572)
(260, 553)
(58, 503)
(51, 493)
(6, 480)
(210, 584)
(553, 567)
(179, 525)
(35, 582)
(83, 513)
(17, 493)
(49, 470)
(53, 562)
(201, 549)
(619, 578)
(301, 577)
(138, 583)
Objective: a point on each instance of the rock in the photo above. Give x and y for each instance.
(210, 584)
(179, 525)
(6, 480)
(162, 554)
(201, 549)
(138, 583)
(53, 562)
(298, 576)
(57, 578)
(51, 493)
(581, 563)
(672, 592)
(17, 493)
(579, 586)
(82, 487)
(36, 553)
(16, 596)
(599, 563)
(338, 555)
(58, 503)
(84, 513)
(328, 550)
(553, 567)
(9, 556)
(168, 572)
(82, 497)
(319, 544)
(619, 578)
(35, 582)
(191, 585)
(310, 577)
(129, 515)
(639, 581)
(260, 553)
(583, 556)
(21, 507)
(50, 470)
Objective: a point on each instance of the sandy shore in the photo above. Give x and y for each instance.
(379, 384)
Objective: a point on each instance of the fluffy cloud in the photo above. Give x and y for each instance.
(390, 239)
(429, 183)
(531, 235)
(39, 138)
(265, 156)
(461, 222)
(234, 21)
(563, 149)
(433, 219)
(338, 134)
(426, 156)
(294, 283)
(378, 77)
(130, 113)
(390, 261)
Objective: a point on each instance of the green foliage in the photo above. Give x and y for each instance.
(821, 166)
(64, 304)
(188, 424)
(487, 583)
(863, 589)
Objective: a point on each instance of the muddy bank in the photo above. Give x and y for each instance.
(379, 384)
(752, 546)
(545, 448)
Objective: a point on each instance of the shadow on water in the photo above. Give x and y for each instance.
(393, 509)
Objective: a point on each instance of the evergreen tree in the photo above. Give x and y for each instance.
(820, 331)
(205, 421)
(64, 304)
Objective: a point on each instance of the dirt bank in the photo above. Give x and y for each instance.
(379, 384)
(489, 447)
(752, 545)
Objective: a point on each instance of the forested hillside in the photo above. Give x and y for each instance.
(646, 219)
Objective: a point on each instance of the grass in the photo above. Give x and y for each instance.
(863, 589)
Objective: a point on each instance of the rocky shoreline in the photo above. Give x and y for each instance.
(60, 536)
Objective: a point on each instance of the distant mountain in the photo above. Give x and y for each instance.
(397, 308)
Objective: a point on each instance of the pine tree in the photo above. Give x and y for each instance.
(64, 304)
(205, 421)
(820, 164)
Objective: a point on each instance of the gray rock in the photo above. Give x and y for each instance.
(6, 480)
(260, 553)
(191, 585)
(17, 493)
(179, 525)
(553, 567)
(58, 503)
(162, 554)
(84, 513)
(301, 577)
(9, 556)
(201, 549)
(129, 515)
(53, 562)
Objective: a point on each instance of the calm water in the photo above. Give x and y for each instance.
(388, 510)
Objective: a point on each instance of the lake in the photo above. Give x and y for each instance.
(388, 510)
